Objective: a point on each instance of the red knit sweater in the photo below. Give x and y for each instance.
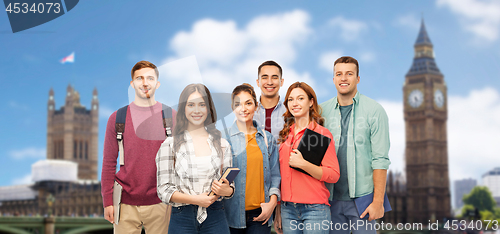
(142, 138)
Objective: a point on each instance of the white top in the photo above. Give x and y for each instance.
(203, 164)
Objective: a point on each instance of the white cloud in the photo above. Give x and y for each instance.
(26, 179)
(482, 18)
(31, 152)
(211, 41)
(327, 59)
(473, 133)
(18, 106)
(105, 112)
(408, 21)
(228, 54)
(350, 30)
(367, 57)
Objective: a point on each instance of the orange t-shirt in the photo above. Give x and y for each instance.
(254, 189)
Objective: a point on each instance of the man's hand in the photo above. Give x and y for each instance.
(374, 210)
(204, 200)
(222, 189)
(109, 214)
(277, 220)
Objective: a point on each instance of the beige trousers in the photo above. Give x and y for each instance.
(154, 218)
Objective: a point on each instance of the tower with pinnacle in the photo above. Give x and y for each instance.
(426, 153)
(72, 132)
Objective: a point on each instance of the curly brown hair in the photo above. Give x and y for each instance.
(314, 111)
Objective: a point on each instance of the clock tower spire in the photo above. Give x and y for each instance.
(426, 153)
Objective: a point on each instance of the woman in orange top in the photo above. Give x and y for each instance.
(304, 198)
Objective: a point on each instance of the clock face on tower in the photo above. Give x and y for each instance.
(415, 98)
(439, 98)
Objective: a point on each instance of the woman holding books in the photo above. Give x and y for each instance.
(189, 164)
(255, 153)
(304, 196)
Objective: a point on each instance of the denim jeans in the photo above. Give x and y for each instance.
(344, 215)
(305, 218)
(253, 227)
(183, 220)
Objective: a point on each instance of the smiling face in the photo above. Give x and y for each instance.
(244, 107)
(145, 82)
(299, 104)
(269, 81)
(196, 110)
(345, 79)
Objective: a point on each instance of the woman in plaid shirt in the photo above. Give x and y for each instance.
(189, 164)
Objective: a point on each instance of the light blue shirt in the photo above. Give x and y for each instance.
(277, 120)
(367, 141)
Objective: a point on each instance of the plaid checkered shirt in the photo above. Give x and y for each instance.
(184, 177)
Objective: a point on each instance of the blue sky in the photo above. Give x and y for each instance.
(230, 39)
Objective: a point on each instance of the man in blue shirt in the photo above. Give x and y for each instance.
(269, 113)
(270, 110)
(360, 128)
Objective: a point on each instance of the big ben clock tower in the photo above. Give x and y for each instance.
(426, 153)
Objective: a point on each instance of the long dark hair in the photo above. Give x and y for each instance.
(314, 111)
(182, 122)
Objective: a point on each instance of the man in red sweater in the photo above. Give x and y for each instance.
(142, 137)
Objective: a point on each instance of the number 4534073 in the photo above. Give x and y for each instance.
(34, 8)
(463, 225)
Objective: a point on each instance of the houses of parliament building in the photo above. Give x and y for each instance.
(65, 184)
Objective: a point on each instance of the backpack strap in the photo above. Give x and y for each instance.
(166, 113)
(121, 117)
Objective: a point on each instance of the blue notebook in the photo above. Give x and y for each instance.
(230, 173)
(363, 202)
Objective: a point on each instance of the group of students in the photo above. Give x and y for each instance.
(262, 143)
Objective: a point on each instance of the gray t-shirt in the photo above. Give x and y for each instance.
(341, 191)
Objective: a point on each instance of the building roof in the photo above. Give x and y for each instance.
(54, 170)
(423, 37)
(423, 64)
(494, 172)
(17, 192)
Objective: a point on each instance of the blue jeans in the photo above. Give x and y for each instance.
(253, 227)
(183, 220)
(344, 215)
(305, 218)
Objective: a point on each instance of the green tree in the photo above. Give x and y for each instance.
(466, 209)
(480, 197)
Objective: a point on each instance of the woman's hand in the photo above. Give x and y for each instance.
(267, 211)
(277, 220)
(222, 189)
(204, 200)
(296, 159)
